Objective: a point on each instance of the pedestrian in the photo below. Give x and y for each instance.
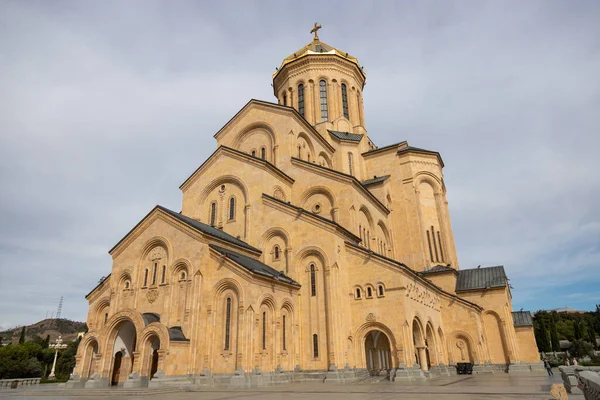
(575, 363)
(567, 363)
(548, 367)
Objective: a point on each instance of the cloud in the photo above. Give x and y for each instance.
(108, 108)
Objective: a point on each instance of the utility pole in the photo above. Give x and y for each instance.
(59, 308)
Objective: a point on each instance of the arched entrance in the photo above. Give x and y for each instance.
(377, 352)
(431, 347)
(151, 357)
(123, 350)
(90, 358)
(420, 346)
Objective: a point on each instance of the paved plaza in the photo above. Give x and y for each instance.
(463, 387)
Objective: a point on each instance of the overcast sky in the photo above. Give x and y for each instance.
(106, 107)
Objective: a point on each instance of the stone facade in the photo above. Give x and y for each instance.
(302, 251)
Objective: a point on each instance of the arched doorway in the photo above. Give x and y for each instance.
(431, 347)
(495, 338)
(153, 346)
(90, 358)
(123, 349)
(377, 352)
(420, 346)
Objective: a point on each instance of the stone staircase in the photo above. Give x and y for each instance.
(106, 392)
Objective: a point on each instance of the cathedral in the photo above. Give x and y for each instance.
(302, 251)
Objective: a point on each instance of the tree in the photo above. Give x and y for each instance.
(591, 333)
(0, 340)
(554, 333)
(22, 338)
(541, 336)
(581, 348)
(46, 342)
(577, 330)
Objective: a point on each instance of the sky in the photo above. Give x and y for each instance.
(107, 107)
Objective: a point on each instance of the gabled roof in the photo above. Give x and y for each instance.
(291, 110)
(197, 225)
(327, 221)
(353, 137)
(376, 179)
(522, 318)
(481, 278)
(254, 266)
(259, 160)
(356, 181)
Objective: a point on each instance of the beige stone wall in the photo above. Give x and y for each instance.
(527, 344)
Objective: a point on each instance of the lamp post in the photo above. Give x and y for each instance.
(57, 346)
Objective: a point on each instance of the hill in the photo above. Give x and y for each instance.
(54, 327)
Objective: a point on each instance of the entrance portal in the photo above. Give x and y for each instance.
(377, 352)
(123, 349)
(116, 369)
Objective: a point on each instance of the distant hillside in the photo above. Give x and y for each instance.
(54, 327)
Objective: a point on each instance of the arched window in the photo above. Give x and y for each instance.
(253, 153)
(323, 96)
(232, 208)
(380, 288)
(283, 333)
(276, 253)
(284, 99)
(146, 277)
(315, 346)
(227, 322)
(313, 284)
(126, 284)
(357, 293)
(213, 213)
(345, 101)
(301, 99)
(308, 157)
(154, 273)
(263, 153)
(350, 163)
(299, 152)
(264, 330)
(182, 276)
(105, 318)
(164, 274)
(369, 292)
(360, 231)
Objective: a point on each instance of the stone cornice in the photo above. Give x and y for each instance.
(307, 61)
(366, 253)
(280, 108)
(342, 177)
(241, 156)
(310, 217)
(384, 149)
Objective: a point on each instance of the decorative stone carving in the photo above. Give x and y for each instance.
(152, 295)
(421, 295)
(157, 253)
(371, 317)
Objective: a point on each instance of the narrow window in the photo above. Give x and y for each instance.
(276, 252)
(227, 322)
(164, 274)
(301, 99)
(263, 153)
(381, 290)
(182, 277)
(213, 213)
(154, 273)
(434, 245)
(126, 284)
(429, 243)
(283, 332)
(369, 292)
(360, 231)
(323, 96)
(284, 99)
(315, 346)
(146, 277)
(253, 153)
(264, 331)
(350, 164)
(308, 157)
(299, 152)
(345, 101)
(313, 285)
(384, 251)
(105, 318)
(232, 208)
(358, 293)
(440, 243)
(364, 236)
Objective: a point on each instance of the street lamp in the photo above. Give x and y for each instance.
(57, 346)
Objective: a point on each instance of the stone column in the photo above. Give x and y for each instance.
(422, 357)
(309, 108)
(328, 317)
(246, 220)
(292, 99)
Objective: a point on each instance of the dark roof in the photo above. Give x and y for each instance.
(209, 230)
(522, 318)
(150, 318)
(481, 278)
(438, 269)
(176, 334)
(255, 266)
(204, 228)
(376, 179)
(346, 231)
(384, 148)
(354, 137)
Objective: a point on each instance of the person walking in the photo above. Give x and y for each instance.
(575, 363)
(567, 362)
(548, 367)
